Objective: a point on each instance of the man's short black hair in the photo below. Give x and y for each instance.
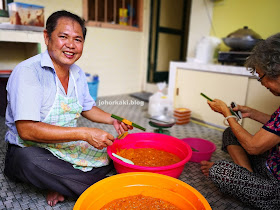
(53, 18)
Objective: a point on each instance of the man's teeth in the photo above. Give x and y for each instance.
(68, 53)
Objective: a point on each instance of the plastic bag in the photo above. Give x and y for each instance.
(160, 104)
(205, 49)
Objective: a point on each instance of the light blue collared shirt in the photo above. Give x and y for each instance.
(31, 91)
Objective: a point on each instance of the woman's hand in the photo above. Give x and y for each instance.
(246, 111)
(219, 106)
(99, 138)
(121, 127)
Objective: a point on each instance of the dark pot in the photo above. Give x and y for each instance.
(242, 39)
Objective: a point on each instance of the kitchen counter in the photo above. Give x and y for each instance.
(227, 69)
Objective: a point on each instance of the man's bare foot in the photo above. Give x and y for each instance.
(205, 166)
(54, 197)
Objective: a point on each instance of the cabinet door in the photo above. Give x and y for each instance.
(227, 87)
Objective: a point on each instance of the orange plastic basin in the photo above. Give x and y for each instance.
(146, 183)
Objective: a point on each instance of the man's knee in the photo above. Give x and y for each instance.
(25, 155)
(22, 159)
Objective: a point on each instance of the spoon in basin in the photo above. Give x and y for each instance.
(123, 159)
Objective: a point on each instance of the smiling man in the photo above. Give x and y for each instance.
(46, 95)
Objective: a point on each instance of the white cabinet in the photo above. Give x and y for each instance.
(191, 83)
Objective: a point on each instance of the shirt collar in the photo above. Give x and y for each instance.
(46, 61)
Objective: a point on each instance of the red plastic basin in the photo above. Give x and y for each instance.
(205, 149)
(156, 141)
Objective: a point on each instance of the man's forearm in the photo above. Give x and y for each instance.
(46, 133)
(98, 115)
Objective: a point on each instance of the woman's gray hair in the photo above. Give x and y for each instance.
(266, 57)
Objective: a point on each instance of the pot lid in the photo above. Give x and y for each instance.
(244, 33)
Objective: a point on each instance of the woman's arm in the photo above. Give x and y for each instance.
(253, 144)
(253, 114)
(256, 144)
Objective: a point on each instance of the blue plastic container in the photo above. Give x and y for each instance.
(93, 87)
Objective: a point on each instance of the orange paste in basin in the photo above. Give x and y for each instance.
(149, 157)
(139, 202)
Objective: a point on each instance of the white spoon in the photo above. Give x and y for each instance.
(123, 159)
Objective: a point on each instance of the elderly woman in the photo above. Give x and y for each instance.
(254, 175)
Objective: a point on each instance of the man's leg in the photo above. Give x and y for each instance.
(40, 168)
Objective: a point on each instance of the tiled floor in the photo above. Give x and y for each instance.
(22, 196)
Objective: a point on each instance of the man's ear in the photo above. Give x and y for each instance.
(46, 37)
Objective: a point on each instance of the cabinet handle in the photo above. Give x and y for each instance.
(177, 91)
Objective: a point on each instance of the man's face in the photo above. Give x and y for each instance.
(65, 46)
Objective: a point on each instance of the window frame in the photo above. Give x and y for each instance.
(114, 26)
(5, 12)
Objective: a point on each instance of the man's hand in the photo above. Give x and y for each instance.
(99, 138)
(121, 127)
